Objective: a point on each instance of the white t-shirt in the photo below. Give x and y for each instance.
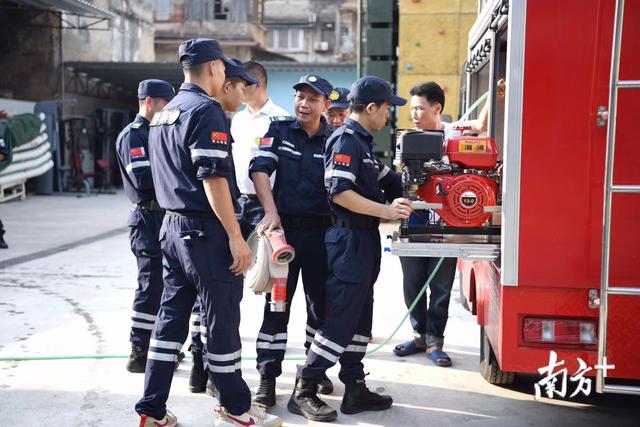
(245, 129)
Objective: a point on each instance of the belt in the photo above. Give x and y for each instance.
(249, 196)
(359, 222)
(199, 214)
(306, 222)
(150, 205)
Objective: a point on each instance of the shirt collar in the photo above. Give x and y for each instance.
(357, 127)
(266, 108)
(190, 87)
(141, 119)
(325, 129)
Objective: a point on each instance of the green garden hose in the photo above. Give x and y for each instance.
(296, 358)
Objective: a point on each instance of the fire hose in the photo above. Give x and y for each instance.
(270, 266)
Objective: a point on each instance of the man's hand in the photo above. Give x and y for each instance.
(399, 209)
(270, 222)
(241, 255)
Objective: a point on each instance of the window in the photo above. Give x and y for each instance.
(285, 39)
(205, 10)
(163, 10)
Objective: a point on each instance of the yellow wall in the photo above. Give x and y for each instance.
(433, 46)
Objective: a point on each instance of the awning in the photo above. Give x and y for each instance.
(76, 7)
(127, 75)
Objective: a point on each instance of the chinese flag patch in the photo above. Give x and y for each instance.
(219, 137)
(342, 159)
(266, 142)
(136, 152)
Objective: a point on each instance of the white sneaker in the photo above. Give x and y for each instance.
(253, 417)
(169, 420)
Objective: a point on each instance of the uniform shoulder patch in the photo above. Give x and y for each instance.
(136, 125)
(165, 117)
(348, 130)
(342, 159)
(219, 137)
(281, 119)
(266, 142)
(137, 152)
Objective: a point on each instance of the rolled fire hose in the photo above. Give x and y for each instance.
(270, 267)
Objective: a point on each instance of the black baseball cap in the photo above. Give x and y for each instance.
(374, 89)
(317, 83)
(155, 89)
(339, 98)
(238, 70)
(198, 51)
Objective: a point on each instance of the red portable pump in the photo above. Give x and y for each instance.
(458, 178)
(468, 194)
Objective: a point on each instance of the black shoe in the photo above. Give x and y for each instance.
(266, 394)
(3, 244)
(358, 398)
(137, 359)
(198, 377)
(305, 401)
(325, 386)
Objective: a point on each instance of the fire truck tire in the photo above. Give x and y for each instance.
(463, 297)
(489, 366)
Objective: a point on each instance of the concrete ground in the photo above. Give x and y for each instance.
(66, 285)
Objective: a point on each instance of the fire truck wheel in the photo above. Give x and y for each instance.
(463, 298)
(489, 366)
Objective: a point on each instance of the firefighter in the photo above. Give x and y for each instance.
(132, 149)
(293, 148)
(358, 185)
(230, 98)
(429, 321)
(339, 107)
(204, 253)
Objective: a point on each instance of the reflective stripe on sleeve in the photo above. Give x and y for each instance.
(137, 165)
(202, 152)
(383, 172)
(268, 154)
(340, 174)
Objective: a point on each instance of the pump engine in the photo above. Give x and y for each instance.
(458, 178)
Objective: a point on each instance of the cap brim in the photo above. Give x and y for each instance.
(226, 61)
(250, 80)
(398, 101)
(312, 86)
(342, 105)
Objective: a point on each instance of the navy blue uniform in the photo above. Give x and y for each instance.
(353, 253)
(144, 223)
(301, 200)
(189, 142)
(198, 329)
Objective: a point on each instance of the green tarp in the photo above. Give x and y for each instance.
(16, 131)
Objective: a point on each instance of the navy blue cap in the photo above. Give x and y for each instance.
(238, 70)
(317, 83)
(198, 51)
(339, 98)
(374, 89)
(155, 89)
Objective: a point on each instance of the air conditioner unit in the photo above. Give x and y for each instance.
(322, 46)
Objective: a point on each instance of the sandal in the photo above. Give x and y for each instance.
(410, 347)
(438, 357)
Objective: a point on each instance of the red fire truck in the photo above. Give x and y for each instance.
(556, 266)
